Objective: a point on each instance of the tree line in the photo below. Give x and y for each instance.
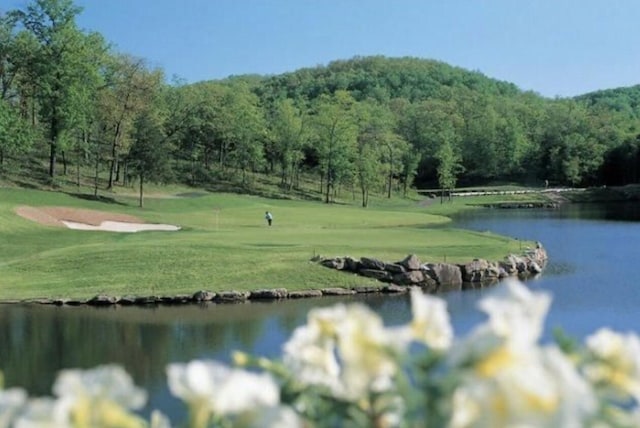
(367, 124)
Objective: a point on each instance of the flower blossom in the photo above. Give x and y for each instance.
(43, 413)
(614, 363)
(344, 348)
(506, 379)
(212, 388)
(101, 396)
(516, 313)
(430, 324)
(11, 401)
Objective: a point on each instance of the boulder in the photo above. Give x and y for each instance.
(445, 274)
(534, 268)
(412, 277)
(394, 268)
(369, 263)
(335, 263)
(102, 300)
(393, 288)
(203, 296)
(519, 262)
(411, 262)
(175, 300)
(231, 296)
(127, 300)
(380, 275)
(366, 289)
(351, 264)
(479, 270)
(510, 264)
(337, 291)
(147, 300)
(502, 273)
(268, 294)
(298, 294)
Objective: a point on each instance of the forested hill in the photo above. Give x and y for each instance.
(383, 79)
(485, 129)
(624, 100)
(69, 102)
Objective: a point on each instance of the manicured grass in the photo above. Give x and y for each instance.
(224, 244)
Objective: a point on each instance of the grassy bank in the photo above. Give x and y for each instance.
(224, 244)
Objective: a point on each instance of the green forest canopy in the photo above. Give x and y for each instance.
(368, 124)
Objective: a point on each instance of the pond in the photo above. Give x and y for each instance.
(591, 275)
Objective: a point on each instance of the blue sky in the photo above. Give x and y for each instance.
(553, 47)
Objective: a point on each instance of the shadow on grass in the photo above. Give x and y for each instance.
(274, 192)
(25, 185)
(99, 198)
(191, 194)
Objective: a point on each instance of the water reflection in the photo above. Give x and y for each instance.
(38, 341)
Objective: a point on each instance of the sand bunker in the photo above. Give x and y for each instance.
(81, 219)
(119, 226)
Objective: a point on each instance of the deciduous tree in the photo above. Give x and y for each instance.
(336, 132)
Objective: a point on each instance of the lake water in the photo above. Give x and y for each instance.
(593, 250)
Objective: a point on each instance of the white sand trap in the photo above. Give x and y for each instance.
(120, 226)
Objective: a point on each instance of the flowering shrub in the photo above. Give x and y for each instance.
(345, 368)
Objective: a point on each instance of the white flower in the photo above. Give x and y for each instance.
(220, 389)
(578, 400)
(366, 351)
(516, 313)
(99, 397)
(345, 348)
(507, 379)
(11, 401)
(310, 354)
(43, 413)
(430, 324)
(273, 417)
(540, 388)
(109, 382)
(615, 364)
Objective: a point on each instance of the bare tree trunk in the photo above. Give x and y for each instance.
(329, 182)
(141, 189)
(53, 144)
(114, 153)
(78, 171)
(96, 176)
(64, 163)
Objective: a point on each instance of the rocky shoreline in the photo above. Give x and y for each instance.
(396, 277)
(440, 277)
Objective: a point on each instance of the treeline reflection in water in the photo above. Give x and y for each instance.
(39, 340)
